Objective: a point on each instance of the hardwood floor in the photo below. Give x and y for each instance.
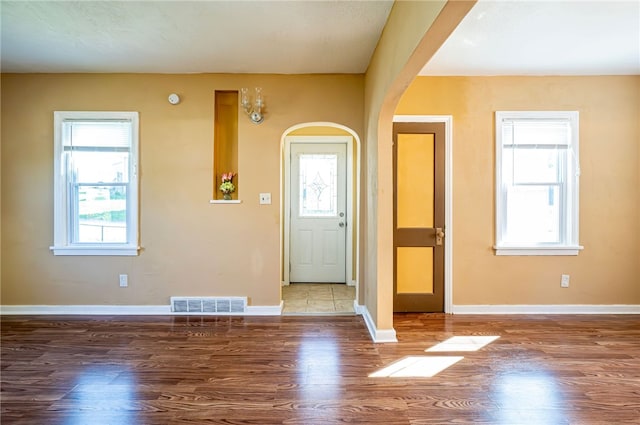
(319, 370)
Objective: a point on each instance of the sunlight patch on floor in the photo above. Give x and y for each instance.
(462, 343)
(429, 366)
(416, 367)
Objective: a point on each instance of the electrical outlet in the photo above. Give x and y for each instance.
(564, 281)
(124, 281)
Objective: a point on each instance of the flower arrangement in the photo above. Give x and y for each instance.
(227, 187)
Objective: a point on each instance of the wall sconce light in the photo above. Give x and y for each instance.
(253, 107)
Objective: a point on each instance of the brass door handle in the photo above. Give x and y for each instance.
(439, 235)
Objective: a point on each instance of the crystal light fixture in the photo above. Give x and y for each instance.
(253, 107)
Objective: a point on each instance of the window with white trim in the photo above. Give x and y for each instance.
(537, 176)
(95, 183)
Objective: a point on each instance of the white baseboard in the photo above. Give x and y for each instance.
(264, 310)
(121, 310)
(86, 309)
(378, 335)
(548, 309)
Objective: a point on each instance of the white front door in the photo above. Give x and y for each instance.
(318, 212)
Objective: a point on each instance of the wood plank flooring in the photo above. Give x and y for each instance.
(117, 370)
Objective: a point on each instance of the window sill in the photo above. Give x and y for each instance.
(222, 201)
(120, 250)
(537, 250)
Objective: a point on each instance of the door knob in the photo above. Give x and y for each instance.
(439, 235)
(341, 224)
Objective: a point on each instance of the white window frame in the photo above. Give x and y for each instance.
(569, 244)
(63, 243)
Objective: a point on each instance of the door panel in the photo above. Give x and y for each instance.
(318, 207)
(412, 279)
(418, 213)
(414, 180)
(330, 239)
(305, 247)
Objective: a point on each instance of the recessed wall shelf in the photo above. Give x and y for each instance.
(222, 201)
(225, 142)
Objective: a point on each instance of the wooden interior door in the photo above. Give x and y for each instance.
(418, 220)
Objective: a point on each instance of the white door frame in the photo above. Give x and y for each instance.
(448, 197)
(352, 196)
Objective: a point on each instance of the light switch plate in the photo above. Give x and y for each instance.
(265, 198)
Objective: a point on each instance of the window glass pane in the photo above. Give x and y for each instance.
(533, 214)
(102, 213)
(318, 185)
(540, 165)
(100, 167)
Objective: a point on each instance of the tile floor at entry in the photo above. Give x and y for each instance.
(325, 298)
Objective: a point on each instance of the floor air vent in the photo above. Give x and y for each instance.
(208, 304)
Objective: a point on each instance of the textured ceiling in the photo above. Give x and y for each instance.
(543, 38)
(509, 37)
(191, 36)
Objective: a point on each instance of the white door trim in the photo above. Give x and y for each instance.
(448, 197)
(353, 195)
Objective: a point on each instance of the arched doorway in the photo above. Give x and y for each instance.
(332, 233)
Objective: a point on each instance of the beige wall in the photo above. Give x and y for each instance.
(190, 247)
(0, 200)
(193, 248)
(608, 270)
